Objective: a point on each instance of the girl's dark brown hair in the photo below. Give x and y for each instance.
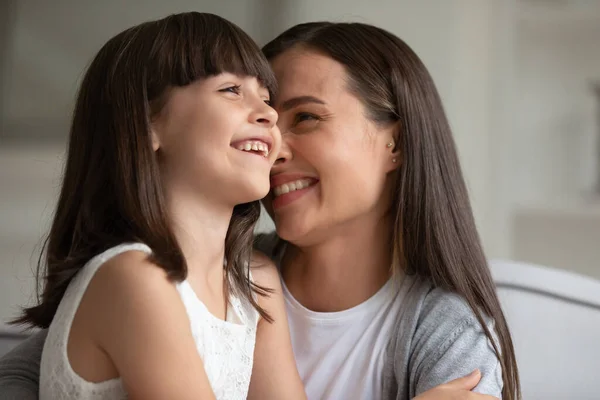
(111, 191)
(435, 234)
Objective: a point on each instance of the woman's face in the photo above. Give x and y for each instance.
(334, 165)
(218, 138)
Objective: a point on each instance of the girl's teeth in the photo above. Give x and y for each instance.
(255, 146)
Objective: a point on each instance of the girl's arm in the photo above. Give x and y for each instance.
(141, 323)
(274, 374)
(458, 389)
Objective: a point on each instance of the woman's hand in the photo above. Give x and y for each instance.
(458, 389)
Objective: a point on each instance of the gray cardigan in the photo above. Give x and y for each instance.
(438, 339)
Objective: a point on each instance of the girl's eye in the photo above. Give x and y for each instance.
(231, 89)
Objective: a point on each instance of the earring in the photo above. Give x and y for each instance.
(390, 144)
(394, 160)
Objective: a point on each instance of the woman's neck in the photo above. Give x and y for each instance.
(200, 228)
(344, 270)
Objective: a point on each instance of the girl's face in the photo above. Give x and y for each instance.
(334, 165)
(217, 138)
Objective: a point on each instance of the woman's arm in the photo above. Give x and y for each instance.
(20, 369)
(141, 323)
(449, 343)
(274, 374)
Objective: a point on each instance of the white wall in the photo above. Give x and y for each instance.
(557, 121)
(29, 182)
(554, 160)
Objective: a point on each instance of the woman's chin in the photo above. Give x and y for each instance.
(293, 230)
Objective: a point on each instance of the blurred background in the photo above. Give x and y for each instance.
(520, 80)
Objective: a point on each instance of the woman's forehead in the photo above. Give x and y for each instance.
(307, 73)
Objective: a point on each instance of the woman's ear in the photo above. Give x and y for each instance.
(394, 161)
(394, 154)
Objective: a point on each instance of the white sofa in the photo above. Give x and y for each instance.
(554, 317)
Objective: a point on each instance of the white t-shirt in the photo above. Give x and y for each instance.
(341, 355)
(407, 338)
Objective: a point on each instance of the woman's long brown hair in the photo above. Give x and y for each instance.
(435, 234)
(111, 190)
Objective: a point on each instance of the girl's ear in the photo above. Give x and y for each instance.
(155, 139)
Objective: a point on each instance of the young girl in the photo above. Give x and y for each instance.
(148, 292)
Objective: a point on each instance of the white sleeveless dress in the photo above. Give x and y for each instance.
(226, 347)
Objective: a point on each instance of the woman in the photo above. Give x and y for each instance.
(386, 285)
(384, 275)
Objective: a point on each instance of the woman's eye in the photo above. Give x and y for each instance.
(302, 117)
(305, 122)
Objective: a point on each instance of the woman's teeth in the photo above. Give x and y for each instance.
(291, 186)
(254, 146)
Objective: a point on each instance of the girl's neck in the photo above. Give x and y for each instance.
(200, 228)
